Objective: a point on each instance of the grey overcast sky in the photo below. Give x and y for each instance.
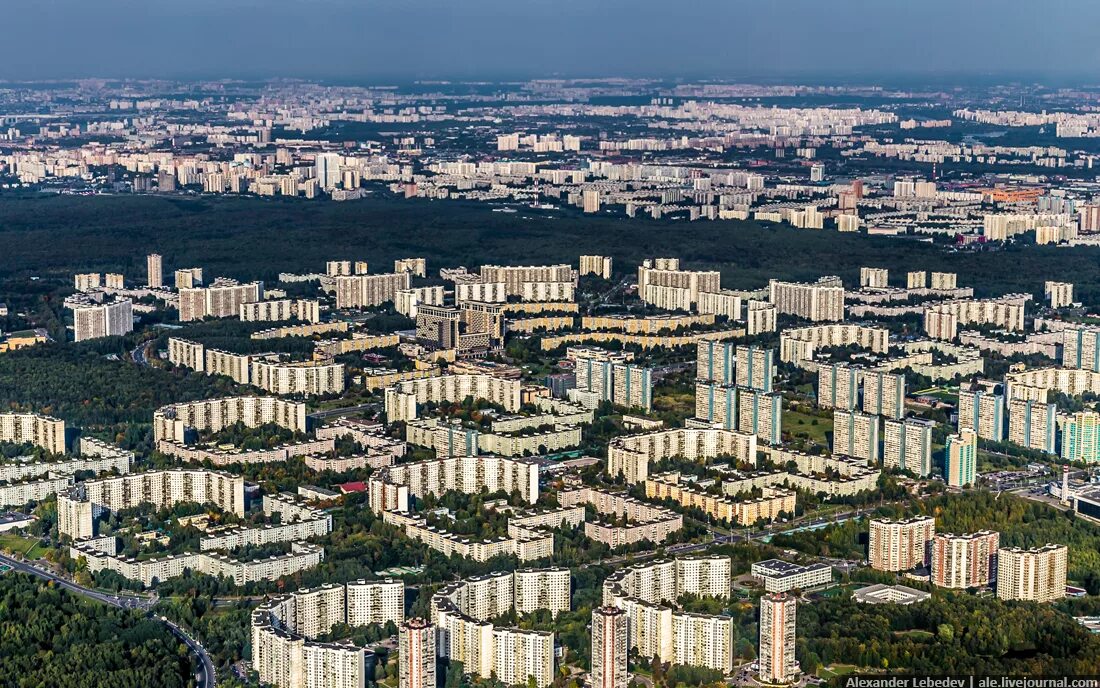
(380, 40)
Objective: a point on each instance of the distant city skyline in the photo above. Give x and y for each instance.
(497, 39)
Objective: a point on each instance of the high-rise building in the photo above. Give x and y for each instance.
(591, 200)
(961, 458)
(965, 561)
(884, 394)
(900, 545)
(821, 301)
(596, 265)
(154, 270)
(777, 639)
(856, 434)
(1058, 294)
(1032, 424)
(610, 648)
(187, 278)
(362, 291)
(755, 368)
(1079, 348)
(1037, 575)
(327, 170)
(222, 299)
(907, 445)
(983, 412)
(838, 386)
(1081, 437)
(874, 278)
(416, 654)
(103, 320)
(918, 279)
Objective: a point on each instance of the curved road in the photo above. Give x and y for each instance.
(206, 675)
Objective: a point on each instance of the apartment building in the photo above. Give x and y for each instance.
(856, 434)
(187, 354)
(782, 576)
(944, 281)
(306, 310)
(285, 652)
(961, 458)
(231, 365)
(777, 639)
(883, 394)
(631, 455)
(21, 493)
(916, 279)
(675, 287)
(600, 266)
(222, 299)
(1035, 575)
(907, 446)
(799, 343)
(467, 474)
(149, 572)
(965, 561)
(610, 646)
(91, 321)
(754, 368)
(1080, 437)
(838, 386)
(821, 301)
(402, 398)
(982, 411)
(1058, 294)
(760, 316)
(366, 291)
(515, 276)
(309, 378)
(154, 271)
(188, 278)
(159, 488)
(653, 629)
(874, 278)
(624, 384)
(86, 282)
(414, 266)
(484, 292)
(646, 521)
(942, 319)
(407, 301)
(1079, 348)
(462, 610)
(42, 431)
(1032, 424)
(416, 654)
(717, 362)
(211, 415)
(772, 503)
(900, 545)
(746, 410)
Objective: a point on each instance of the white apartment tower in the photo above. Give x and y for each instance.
(154, 270)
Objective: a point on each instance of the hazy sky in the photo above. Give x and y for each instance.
(404, 39)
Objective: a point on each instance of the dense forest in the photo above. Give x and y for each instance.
(55, 639)
(47, 235)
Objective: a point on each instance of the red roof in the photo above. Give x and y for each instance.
(356, 486)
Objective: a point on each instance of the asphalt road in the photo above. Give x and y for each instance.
(206, 675)
(343, 411)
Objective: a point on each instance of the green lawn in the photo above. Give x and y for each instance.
(834, 670)
(796, 423)
(31, 548)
